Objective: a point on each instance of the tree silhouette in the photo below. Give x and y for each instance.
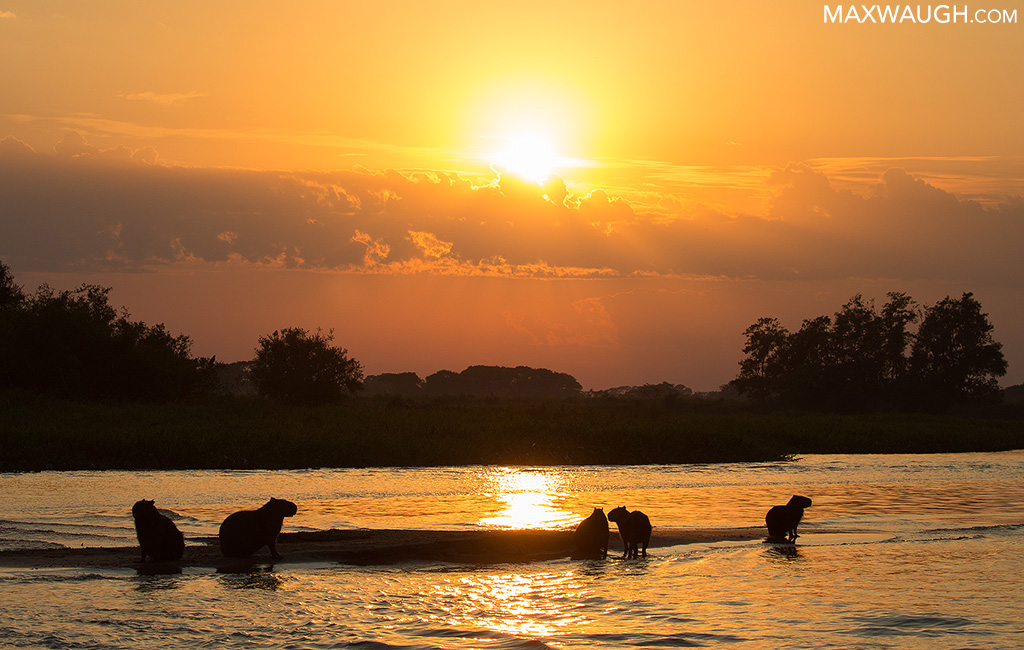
(762, 370)
(294, 365)
(955, 357)
(11, 294)
(75, 344)
(501, 381)
(865, 359)
(405, 384)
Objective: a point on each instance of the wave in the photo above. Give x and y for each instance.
(909, 625)
(57, 526)
(1008, 528)
(177, 516)
(17, 544)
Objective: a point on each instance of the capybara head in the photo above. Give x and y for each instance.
(799, 501)
(618, 514)
(144, 508)
(281, 507)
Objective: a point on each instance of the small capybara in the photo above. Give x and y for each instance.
(159, 538)
(590, 539)
(782, 520)
(634, 529)
(243, 533)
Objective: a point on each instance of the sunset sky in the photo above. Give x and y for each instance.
(614, 190)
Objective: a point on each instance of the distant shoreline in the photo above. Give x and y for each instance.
(38, 433)
(364, 547)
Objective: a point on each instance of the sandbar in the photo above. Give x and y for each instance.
(366, 547)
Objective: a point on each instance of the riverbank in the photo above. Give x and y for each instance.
(240, 433)
(367, 547)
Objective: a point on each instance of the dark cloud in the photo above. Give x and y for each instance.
(83, 208)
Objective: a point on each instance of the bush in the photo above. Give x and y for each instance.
(294, 365)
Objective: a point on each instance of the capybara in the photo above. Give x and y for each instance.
(243, 533)
(159, 538)
(634, 529)
(782, 520)
(590, 539)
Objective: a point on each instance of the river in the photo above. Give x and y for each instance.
(931, 555)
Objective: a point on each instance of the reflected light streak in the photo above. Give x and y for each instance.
(523, 605)
(528, 499)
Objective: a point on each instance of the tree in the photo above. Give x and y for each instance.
(865, 359)
(806, 364)
(297, 366)
(897, 315)
(761, 372)
(11, 294)
(501, 381)
(955, 357)
(75, 344)
(405, 384)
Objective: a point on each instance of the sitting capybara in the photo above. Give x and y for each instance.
(782, 520)
(243, 533)
(634, 529)
(159, 538)
(590, 539)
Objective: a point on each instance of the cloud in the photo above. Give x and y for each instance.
(163, 99)
(81, 207)
(6, 14)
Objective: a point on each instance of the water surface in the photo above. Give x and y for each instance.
(932, 556)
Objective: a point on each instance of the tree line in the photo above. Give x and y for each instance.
(863, 358)
(477, 381)
(74, 344)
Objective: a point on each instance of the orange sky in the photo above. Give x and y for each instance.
(235, 167)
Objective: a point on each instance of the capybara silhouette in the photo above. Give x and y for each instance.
(243, 533)
(782, 520)
(634, 529)
(590, 539)
(159, 538)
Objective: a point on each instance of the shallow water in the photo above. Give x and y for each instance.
(932, 556)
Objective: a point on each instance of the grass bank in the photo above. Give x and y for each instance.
(41, 433)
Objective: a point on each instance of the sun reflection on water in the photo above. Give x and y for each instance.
(523, 605)
(528, 499)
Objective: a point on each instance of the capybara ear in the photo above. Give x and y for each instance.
(800, 501)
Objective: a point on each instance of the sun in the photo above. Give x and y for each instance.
(527, 155)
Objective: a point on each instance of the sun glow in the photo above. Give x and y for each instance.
(527, 499)
(528, 155)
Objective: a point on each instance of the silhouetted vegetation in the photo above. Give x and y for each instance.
(1014, 394)
(863, 359)
(663, 391)
(396, 384)
(75, 344)
(294, 365)
(477, 381)
(83, 386)
(11, 294)
(45, 433)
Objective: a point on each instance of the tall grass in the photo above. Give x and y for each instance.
(43, 433)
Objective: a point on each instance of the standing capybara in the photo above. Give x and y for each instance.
(159, 538)
(634, 529)
(782, 520)
(590, 539)
(243, 533)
